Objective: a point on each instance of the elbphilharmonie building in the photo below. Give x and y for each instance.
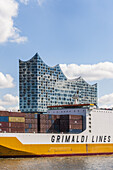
(41, 86)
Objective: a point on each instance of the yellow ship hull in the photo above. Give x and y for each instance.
(12, 147)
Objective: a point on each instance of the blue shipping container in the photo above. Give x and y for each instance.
(75, 131)
(4, 119)
(26, 130)
(36, 116)
(30, 125)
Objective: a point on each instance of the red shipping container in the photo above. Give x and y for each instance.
(26, 126)
(4, 113)
(75, 121)
(75, 116)
(17, 130)
(42, 116)
(75, 126)
(16, 114)
(42, 131)
(28, 115)
(44, 126)
(32, 130)
(27, 120)
(17, 124)
(34, 121)
(4, 130)
(34, 126)
(43, 121)
(46, 116)
(4, 124)
(33, 116)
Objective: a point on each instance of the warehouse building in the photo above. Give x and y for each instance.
(41, 86)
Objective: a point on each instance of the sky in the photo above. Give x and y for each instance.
(77, 34)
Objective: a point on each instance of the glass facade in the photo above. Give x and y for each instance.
(41, 86)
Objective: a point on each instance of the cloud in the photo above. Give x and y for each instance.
(40, 2)
(24, 1)
(8, 32)
(2, 108)
(6, 81)
(89, 72)
(106, 101)
(9, 100)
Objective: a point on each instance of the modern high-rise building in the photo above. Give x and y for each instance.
(41, 86)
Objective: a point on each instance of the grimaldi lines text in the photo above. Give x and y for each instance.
(78, 139)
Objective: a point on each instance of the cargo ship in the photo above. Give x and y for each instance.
(66, 130)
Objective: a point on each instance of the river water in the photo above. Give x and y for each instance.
(58, 163)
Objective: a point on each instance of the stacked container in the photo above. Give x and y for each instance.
(31, 123)
(60, 123)
(17, 122)
(75, 123)
(12, 122)
(49, 123)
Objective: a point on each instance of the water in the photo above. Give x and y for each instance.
(58, 163)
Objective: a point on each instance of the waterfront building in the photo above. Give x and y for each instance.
(41, 86)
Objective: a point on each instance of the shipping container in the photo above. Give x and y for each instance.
(34, 126)
(17, 124)
(49, 117)
(75, 116)
(28, 115)
(75, 121)
(4, 130)
(30, 126)
(34, 121)
(4, 124)
(26, 130)
(75, 131)
(4, 119)
(79, 126)
(17, 130)
(27, 120)
(16, 119)
(16, 114)
(4, 113)
(32, 130)
(36, 115)
(42, 116)
(26, 126)
(43, 126)
(32, 116)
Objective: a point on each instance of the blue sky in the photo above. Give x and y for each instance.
(78, 32)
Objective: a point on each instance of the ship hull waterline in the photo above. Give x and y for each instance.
(12, 147)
